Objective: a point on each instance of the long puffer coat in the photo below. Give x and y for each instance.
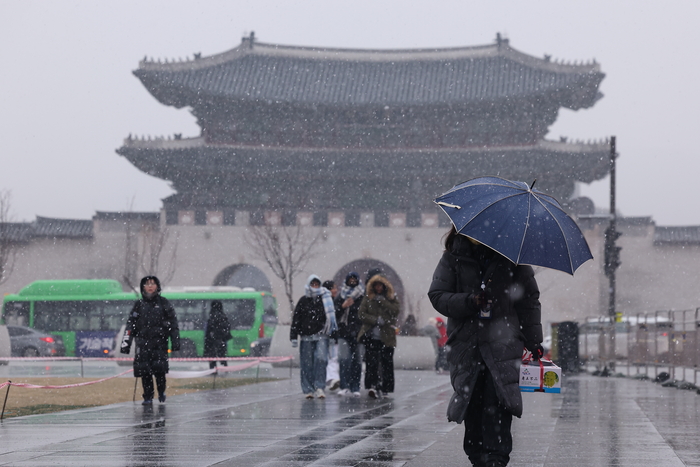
(372, 308)
(218, 332)
(499, 341)
(151, 322)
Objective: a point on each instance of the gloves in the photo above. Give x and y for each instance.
(125, 350)
(295, 343)
(479, 300)
(380, 321)
(536, 350)
(379, 298)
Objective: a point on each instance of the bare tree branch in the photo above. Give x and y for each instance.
(8, 245)
(286, 250)
(153, 241)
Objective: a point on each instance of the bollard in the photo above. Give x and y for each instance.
(2, 414)
(82, 374)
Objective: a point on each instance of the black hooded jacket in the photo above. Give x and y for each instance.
(151, 322)
(218, 332)
(498, 341)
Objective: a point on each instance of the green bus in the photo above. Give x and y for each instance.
(89, 314)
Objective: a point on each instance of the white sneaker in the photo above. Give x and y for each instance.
(310, 395)
(335, 384)
(356, 394)
(373, 393)
(343, 392)
(320, 394)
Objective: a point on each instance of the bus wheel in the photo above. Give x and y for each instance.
(30, 352)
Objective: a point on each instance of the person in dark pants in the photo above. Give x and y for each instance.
(218, 332)
(151, 322)
(347, 304)
(379, 314)
(493, 311)
(442, 348)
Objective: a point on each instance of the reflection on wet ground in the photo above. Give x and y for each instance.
(595, 422)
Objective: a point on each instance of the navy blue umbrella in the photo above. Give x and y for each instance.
(521, 223)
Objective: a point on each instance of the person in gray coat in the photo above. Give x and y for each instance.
(493, 313)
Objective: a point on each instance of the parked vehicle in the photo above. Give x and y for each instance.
(29, 342)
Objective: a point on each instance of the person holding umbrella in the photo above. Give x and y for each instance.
(485, 286)
(486, 328)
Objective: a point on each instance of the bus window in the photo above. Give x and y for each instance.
(241, 313)
(16, 313)
(63, 316)
(114, 313)
(189, 314)
(270, 306)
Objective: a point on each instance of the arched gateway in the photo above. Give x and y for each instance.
(243, 275)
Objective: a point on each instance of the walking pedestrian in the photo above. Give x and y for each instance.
(379, 312)
(217, 334)
(493, 311)
(151, 322)
(349, 324)
(441, 360)
(333, 367)
(312, 323)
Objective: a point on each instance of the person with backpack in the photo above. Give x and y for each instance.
(151, 322)
(313, 322)
(493, 312)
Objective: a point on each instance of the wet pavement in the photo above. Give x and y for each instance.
(594, 422)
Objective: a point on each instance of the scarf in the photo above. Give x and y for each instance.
(328, 306)
(352, 292)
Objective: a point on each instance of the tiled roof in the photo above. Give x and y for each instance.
(46, 227)
(313, 76)
(675, 235)
(72, 228)
(16, 231)
(246, 171)
(124, 216)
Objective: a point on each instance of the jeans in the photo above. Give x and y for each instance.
(313, 358)
(350, 362)
(487, 424)
(379, 372)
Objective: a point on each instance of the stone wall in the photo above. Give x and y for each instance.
(651, 277)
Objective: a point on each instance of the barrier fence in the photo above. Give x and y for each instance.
(643, 343)
(246, 362)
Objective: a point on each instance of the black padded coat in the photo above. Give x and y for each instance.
(151, 322)
(498, 341)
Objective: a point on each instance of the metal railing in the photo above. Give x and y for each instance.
(644, 343)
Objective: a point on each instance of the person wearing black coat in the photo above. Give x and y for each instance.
(493, 312)
(347, 305)
(151, 322)
(217, 334)
(313, 322)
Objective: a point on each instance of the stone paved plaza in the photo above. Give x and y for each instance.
(594, 422)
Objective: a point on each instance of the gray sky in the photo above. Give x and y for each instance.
(68, 97)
